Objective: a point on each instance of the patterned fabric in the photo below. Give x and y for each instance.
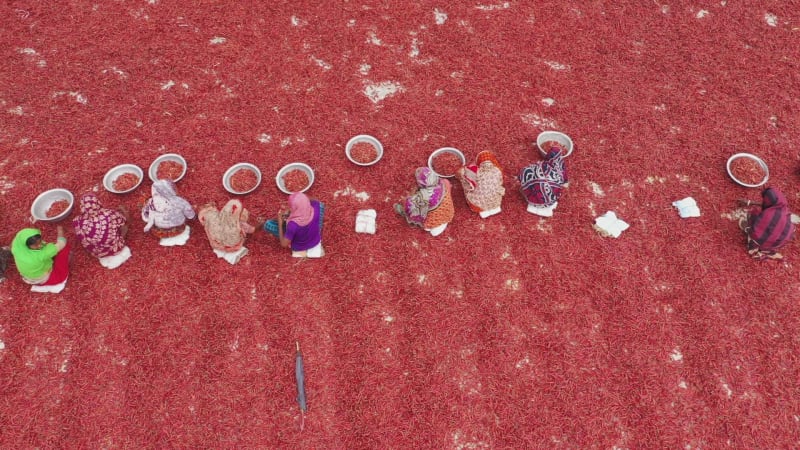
(483, 182)
(769, 227)
(429, 194)
(227, 228)
(165, 209)
(444, 211)
(541, 183)
(100, 230)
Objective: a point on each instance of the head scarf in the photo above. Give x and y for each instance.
(300, 210)
(32, 263)
(542, 182)
(429, 194)
(98, 228)
(225, 227)
(19, 245)
(165, 209)
(772, 227)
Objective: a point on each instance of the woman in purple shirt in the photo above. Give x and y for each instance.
(299, 228)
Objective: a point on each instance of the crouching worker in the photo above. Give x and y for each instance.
(483, 184)
(543, 182)
(41, 264)
(430, 205)
(299, 228)
(102, 231)
(165, 214)
(226, 229)
(767, 227)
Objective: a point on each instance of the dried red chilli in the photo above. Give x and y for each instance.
(446, 164)
(58, 207)
(295, 180)
(363, 152)
(243, 180)
(747, 170)
(169, 170)
(125, 182)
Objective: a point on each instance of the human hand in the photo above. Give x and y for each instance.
(60, 230)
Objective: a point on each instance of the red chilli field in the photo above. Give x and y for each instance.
(513, 332)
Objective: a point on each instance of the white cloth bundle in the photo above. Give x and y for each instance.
(365, 221)
(544, 211)
(116, 260)
(231, 257)
(687, 207)
(489, 212)
(53, 289)
(176, 240)
(316, 251)
(608, 224)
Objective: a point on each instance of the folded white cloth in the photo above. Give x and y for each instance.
(314, 252)
(610, 225)
(116, 260)
(365, 221)
(687, 207)
(544, 211)
(176, 240)
(54, 289)
(438, 230)
(489, 212)
(231, 257)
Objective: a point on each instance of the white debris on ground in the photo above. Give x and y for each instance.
(687, 207)
(363, 196)
(379, 91)
(609, 225)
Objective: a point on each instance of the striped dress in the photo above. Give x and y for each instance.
(769, 227)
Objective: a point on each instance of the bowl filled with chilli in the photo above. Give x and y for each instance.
(747, 170)
(363, 150)
(446, 161)
(294, 177)
(241, 178)
(549, 139)
(169, 166)
(123, 178)
(52, 205)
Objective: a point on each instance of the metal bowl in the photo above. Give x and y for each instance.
(153, 171)
(226, 178)
(754, 158)
(363, 138)
(292, 166)
(46, 199)
(115, 172)
(444, 150)
(557, 136)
